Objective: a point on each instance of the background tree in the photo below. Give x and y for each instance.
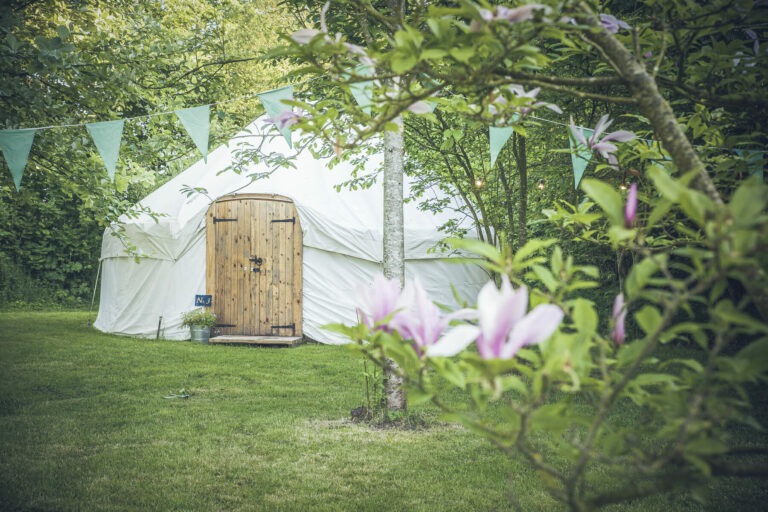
(698, 243)
(69, 63)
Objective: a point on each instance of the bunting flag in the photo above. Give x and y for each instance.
(107, 136)
(755, 161)
(197, 122)
(274, 106)
(363, 91)
(580, 155)
(498, 136)
(15, 145)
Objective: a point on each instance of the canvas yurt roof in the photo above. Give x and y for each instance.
(342, 238)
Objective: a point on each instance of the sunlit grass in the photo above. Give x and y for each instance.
(85, 425)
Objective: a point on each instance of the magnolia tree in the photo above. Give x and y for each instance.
(535, 367)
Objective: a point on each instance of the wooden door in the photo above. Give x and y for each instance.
(253, 246)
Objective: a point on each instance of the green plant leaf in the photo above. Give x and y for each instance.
(748, 202)
(477, 247)
(546, 277)
(639, 276)
(584, 316)
(665, 184)
(608, 199)
(530, 248)
(648, 318)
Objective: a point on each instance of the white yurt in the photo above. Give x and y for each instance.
(280, 249)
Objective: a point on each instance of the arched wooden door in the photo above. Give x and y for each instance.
(253, 271)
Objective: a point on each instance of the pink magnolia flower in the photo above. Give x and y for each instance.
(619, 315)
(286, 118)
(756, 42)
(630, 209)
(612, 24)
(511, 15)
(603, 146)
(519, 14)
(305, 35)
(500, 102)
(504, 325)
(379, 301)
(486, 15)
(424, 324)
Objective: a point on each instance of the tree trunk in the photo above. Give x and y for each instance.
(521, 156)
(394, 247)
(652, 104)
(509, 205)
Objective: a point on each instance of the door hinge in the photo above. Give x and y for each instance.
(220, 219)
(292, 220)
(292, 327)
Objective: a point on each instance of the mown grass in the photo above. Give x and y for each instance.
(85, 425)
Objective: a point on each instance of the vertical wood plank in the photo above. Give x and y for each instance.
(245, 219)
(210, 252)
(275, 277)
(286, 269)
(235, 289)
(297, 288)
(257, 277)
(264, 254)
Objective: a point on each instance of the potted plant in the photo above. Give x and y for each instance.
(199, 322)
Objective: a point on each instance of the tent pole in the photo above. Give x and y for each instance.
(93, 297)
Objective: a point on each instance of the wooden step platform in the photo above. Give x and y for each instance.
(288, 341)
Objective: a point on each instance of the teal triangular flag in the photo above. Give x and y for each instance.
(197, 122)
(498, 137)
(580, 155)
(107, 137)
(274, 106)
(363, 91)
(755, 161)
(16, 145)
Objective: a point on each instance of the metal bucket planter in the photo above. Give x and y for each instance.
(200, 334)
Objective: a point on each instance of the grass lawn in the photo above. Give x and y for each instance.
(85, 425)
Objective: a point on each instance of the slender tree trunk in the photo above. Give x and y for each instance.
(508, 205)
(521, 155)
(394, 246)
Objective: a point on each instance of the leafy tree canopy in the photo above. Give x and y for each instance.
(73, 62)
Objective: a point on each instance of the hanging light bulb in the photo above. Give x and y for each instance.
(478, 183)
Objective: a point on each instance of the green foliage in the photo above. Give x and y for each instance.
(569, 385)
(69, 63)
(19, 290)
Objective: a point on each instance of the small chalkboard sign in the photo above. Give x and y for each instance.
(203, 300)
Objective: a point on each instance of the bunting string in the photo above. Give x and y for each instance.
(15, 145)
(107, 135)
